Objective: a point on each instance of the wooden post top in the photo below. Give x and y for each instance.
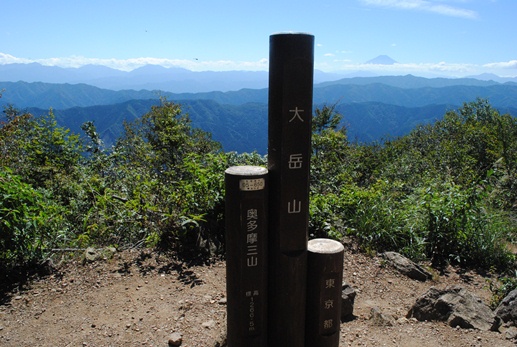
(246, 170)
(325, 246)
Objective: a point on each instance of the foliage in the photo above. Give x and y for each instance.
(501, 289)
(29, 221)
(330, 151)
(458, 226)
(38, 149)
(158, 185)
(446, 192)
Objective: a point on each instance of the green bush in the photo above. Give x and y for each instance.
(459, 227)
(445, 192)
(28, 221)
(500, 289)
(161, 184)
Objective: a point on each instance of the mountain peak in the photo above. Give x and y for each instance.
(381, 60)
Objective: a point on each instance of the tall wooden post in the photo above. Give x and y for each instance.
(246, 255)
(324, 282)
(291, 69)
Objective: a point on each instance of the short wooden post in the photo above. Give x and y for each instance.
(246, 255)
(324, 280)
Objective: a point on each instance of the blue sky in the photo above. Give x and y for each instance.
(425, 37)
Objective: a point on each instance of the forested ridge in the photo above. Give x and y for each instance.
(446, 192)
(373, 108)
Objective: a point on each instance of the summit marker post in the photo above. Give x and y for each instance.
(324, 284)
(291, 69)
(246, 255)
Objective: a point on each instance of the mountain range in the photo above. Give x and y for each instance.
(373, 107)
(149, 77)
(175, 79)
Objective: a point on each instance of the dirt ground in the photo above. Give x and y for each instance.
(141, 298)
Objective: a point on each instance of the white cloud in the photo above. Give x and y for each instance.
(445, 69)
(421, 69)
(9, 59)
(424, 5)
(133, 63)
(512, 64)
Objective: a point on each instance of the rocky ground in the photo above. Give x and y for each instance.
(141, 298)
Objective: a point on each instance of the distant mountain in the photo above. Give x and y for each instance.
(241, 128)
(407, 91)
(373, 121)
(149, 77)
(381, 60)
(244, 128)
(35, 72)
(411, 82)
(373, 107)
(179, 80)
(500, 95)
(494, 77)
(60, 96)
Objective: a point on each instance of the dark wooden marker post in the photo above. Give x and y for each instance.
(324, 282)
(246, 255)
(291, 65)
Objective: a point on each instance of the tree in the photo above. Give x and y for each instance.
(94, 137)
(159, 181)
(330, 149)
(325, 119)
(29, 221)
(167, 137)
(37, 148)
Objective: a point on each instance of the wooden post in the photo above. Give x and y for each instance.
(246, 255)
(291, 71)
(324, 281)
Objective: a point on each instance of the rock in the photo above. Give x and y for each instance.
(175, 339)
(109, 252)
(91, 254)
(407, 267)
(511, 333)
(402, 320)
(381, 319)
(507, 309)
(347, 302)
(455, 306)
(221, 341)
(208, 324)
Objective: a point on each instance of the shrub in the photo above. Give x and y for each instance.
(502, 289)
(29, 221)
(459, 227)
